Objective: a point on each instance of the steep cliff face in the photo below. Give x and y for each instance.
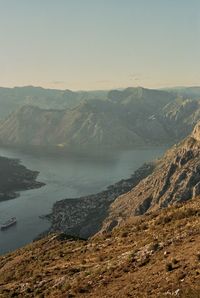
(196, 132)
(175, 179)
(180, 116)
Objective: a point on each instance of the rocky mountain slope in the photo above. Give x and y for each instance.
(15, 177)
(175, 179)
(180, 116)
(154, 255)
(126, 119)
(88, 125)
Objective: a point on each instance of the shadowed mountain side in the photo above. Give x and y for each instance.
(82, 127)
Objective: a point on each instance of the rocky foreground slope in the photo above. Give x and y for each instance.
(154, 255)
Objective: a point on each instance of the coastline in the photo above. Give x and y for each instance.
(15, 178)
(82, 217)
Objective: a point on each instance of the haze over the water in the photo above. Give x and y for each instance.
(99, 44)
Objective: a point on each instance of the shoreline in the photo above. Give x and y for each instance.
(15, 178)
(82, 217)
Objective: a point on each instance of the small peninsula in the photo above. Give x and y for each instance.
(15, 177)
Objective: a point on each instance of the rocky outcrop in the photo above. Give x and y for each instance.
(175, 179)
(15, 177)
(83, 216)
(196, 132)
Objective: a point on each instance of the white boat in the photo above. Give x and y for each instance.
(9, 223)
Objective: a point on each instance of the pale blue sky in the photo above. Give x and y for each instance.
(99, 44)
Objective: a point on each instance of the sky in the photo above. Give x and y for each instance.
(99, 44)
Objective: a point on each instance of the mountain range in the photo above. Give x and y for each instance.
(118, 119)
(13, 98)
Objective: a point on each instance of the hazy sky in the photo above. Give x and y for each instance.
(99, 44)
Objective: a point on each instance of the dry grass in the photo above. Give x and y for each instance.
(156, 255)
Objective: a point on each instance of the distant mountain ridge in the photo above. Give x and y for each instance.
(118, 119)
(13, 98)
(186, 92)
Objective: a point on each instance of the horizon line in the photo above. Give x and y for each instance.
(106, 89)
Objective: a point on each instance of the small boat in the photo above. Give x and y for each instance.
(9, 223)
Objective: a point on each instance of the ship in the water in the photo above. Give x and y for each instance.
(9, 223)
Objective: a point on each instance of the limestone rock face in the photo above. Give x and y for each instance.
(196, 132)
(175, 179)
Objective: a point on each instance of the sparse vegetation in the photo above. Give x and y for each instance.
(113, 264)
(169, 267)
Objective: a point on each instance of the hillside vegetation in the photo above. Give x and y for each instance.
(154, 255)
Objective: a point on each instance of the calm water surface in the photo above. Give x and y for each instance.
(65, 177)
